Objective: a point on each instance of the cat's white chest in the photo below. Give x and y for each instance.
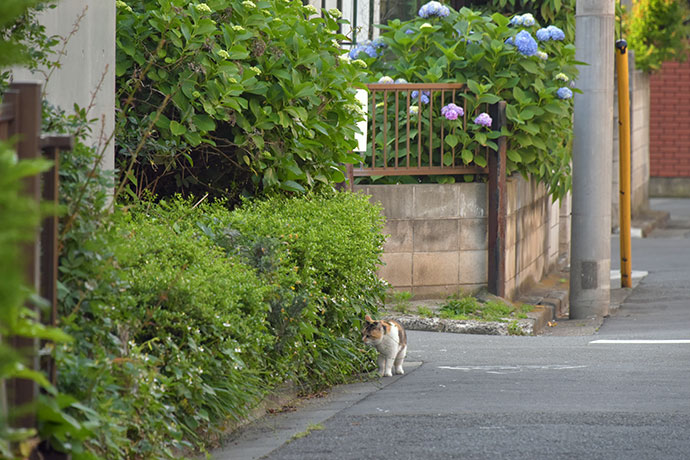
(389, 346)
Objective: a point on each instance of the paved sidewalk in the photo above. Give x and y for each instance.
(671, 219)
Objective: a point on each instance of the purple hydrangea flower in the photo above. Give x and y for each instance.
(483, 119)
(434, 8)
(525, 44)
(424, 98)
(409, 31)
(452, 111)
(555, 33)
(564, 93)
(543, 35)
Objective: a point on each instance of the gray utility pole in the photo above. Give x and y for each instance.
(590, 266)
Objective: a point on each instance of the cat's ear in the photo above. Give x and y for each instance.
(368, 319)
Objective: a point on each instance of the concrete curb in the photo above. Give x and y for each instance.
(511, 327)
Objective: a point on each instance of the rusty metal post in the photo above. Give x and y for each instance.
(497, 205)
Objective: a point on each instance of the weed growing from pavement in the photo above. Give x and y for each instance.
(311, 427)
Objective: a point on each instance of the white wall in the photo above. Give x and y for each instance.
(89, 57)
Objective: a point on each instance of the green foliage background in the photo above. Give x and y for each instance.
(658, 32)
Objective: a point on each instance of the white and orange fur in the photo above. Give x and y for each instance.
(390, 340)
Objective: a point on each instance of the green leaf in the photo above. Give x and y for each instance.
(204, 123)
(513, 155)
(452, 140)
(292, 186)
(177, 129)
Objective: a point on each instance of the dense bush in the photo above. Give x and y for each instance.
(516, 60)
(232, 97)
(658, 32)
(187, 313)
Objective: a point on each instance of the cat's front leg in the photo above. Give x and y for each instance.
(389, 368)
(381, 361)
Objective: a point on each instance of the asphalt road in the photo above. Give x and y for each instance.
(593, 396)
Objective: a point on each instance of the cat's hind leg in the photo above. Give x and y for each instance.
(399, 361)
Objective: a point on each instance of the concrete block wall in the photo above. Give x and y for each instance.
(532, 234)
(438, 236)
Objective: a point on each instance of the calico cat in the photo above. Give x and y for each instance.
(390, 340)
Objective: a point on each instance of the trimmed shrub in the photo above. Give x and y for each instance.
(188, 313)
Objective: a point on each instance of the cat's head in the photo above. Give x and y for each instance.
(373, 331)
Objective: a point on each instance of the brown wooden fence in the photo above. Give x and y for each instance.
(20, 120)
(407, 137)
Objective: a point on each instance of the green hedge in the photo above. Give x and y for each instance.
(189, 314)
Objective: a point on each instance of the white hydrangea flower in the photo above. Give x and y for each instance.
(203, 8)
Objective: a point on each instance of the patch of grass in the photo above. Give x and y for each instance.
(425, 312)
(401, 301)
(466, 307)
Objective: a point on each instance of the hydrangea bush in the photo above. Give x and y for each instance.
(233, 97)
(529, 65)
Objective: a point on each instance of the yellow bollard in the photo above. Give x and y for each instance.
(624, 170)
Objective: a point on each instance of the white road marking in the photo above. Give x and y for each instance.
(511, 369)
(640, 342)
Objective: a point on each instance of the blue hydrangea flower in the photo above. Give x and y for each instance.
(434, 8)
(510, 41)
(528, 20)
(409, 31)
(424, 97)
(379, 43)
(483, 119)
(452, 111)
(555, 33)
(516, 20)
(564, 93)
(525, 44)
(368, 48)
(543, 35)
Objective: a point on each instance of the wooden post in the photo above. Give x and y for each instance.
(27, 125)
(497, 205)
(51, 146)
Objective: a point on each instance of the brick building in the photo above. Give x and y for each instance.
(670, 130)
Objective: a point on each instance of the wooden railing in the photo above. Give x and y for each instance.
(405, 142)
